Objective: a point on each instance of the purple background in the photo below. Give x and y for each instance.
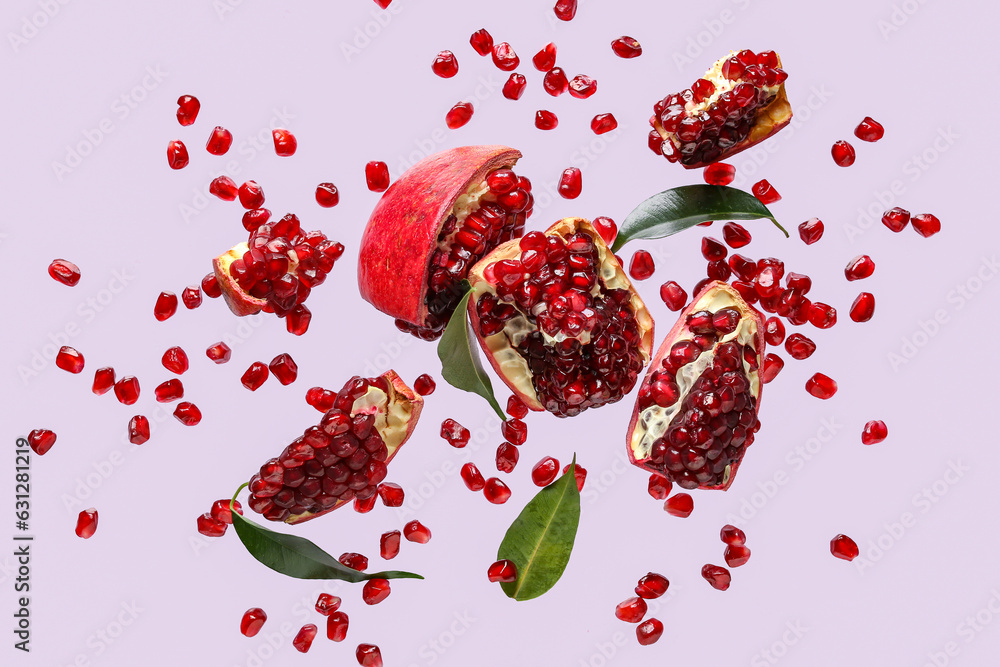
(136, 228)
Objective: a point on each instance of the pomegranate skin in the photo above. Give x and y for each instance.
(401, 236)
(240, 303)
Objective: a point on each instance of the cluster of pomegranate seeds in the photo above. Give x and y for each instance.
(127, 390)
(821, 386)
(603, 123)
(719, 173)
(546, 120)
(811, 231)
(327, 195)
(641, 266)
(459, 115)
(86, 523)
(41, 440)
(844, 547)
(368, 655)
(565, 10)
(505, 58)
(414, 531)
(388, 545)
(874, 432)
(219, 141)
(717, 576)
(219, 353)
(188, 107)
(736, 553)
(177, 154)
(482, 42)
(445, 64)
(680, 505)
(869, 130)
(187, 413)
(765, 192)
(503, 208)
(165, 307)
(69, 360)
(502, 571)
(253, 620)
(304, 638)
(65, 272)
(104, 380)
(626, 47)
(138, 430)
(570, 183)
(514, 87)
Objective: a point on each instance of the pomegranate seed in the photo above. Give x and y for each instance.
(174, 360)
(388, 545)
(626, 47)
(297, 322)
(811, 231)
(869, 130)
(641, 266)
(718, 577)
(680, 505)
(304, 638)
(863, 307)
(565, 9)
(127, 390)
(843, 154)
(209, 526)
(655, 142)
(355, 561)
(652, 586)
(582, 87)
(255, 376)
(41, 440)
(336, 626)
(368, 655)
(874, 432)
(169, 391)
(177, 154)
(772, 366)
(673, 295)
(603, 123)
(482, 42)
(859, 268)
(495, 491)
(507, 456)
(445, 64)
(191, 296)
(925, 224)
(459, 115)
(896, 219)
(417, 532)
(606, 227)
(327, 195)
(514, 431)
(503, 571)
(821, 386)
(516, 408)
(221, 512)
(659, 486)
(456, 434)
(774, 331)
(65, 272)
(545, 471)
(326, 604)
(165, 307)
(187, 413)
(822, 316)
(104, 380)
(220, 353)
(210, 286)
(138, 430)
(545, 59)
(366, 505)
(735, 235)
(799, 347)
(252, 621)
(224, 188)
(284, 368)
(649, 632)
(424, 385)
(472, 477)
(732, 536)
(736, 555)
(712, 250)
(251, 195)
(86, 523)
(377, 176)
(284, 142)
(719, 173)
(765, 192)
(631, 610)
(504, 57)
(555, 82)
(844, 547)
(571, 183)
(546, 120)
(219, 141)
(391, 494)
(514, 87)
(187, 109)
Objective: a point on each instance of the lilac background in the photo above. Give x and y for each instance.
(127, 220)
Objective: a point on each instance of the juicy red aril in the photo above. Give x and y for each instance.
(251, 195)
(652, 586)
(177, 155)
(284, 142)
(606, 227)
(445, 65)
(65, 272)
(472, 477)
(774, 331)
(874, 432)
(424, 385)
(327, 195)
(221, 511)
(514, 87)
(735, 235)
(565, 9)
(822, 316)
(224, 188)
(368, 655)
(641, 266)
(336, 626)
(41, 440)
(504, 57)
(507, 456)
(655, 142)
(649, 631)
(546, 120)
(719, 173)
(859, 268)
(718, 577)
(659, 486)
(284, 368)
(896, 219)
(456, 434)
(603, 123)
(326, 604)
(86, 523)
(555, 82)
(631, 610)
(187, 413)
(843, 154)
(869, 130)
(210, 286)
(391, 494)
(515, 431)
(209, 526)
(174, 360)
(712, 250)
(673, 295)
(377, 176)
(496, 491)
(626, 47)
(503, 571)
(821, 386)
(811, 231)
(732, 536)
(582, 87)
(127, 390)
(736, 555)
(304, 638)
(571, 183)
(168, 391)
(799, 347)
(353, 560)
(138, 430)
(482, 42)
(220, 353)
(253, 620)
(772, 366)
(863, 307)
(579, 474)
(545, 471)
(414, 531)
(765, 192)
(459, 115)
(679, 505)
(165, 307)
(320, 398)
(191, 296)
(388, 545)
(365, 505)
(219, 141)
(104, 380)
(516, 408)
(925, 224)
(844, 547)
(545, 59)
(255, 376)
(297, 322)
(187, 109)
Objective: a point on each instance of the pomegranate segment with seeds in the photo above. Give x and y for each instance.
(559, 320)
(432, 225)
(696, 413)
(344, 457)
(738, 103)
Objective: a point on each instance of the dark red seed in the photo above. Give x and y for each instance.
(546, 120)
(377, 176)
(859, 268)
(138, 430)
(863, 307)
(571, 183)
(284, 368)
(209, 526)
(579, 474)
(844, 547)
(284, 142)
(304, 638)
(659, 486)
(631, 610)
(869, 130)
(391, 494)
(127, 390)
(86, 523)
(220, 353)
(472, 477)
(224, 188)
(545, 59)
(774, 331)
(673, 295)
(456, 434)
(874, 432)
(326, 604)
(712, 249)
(41, 440)
(843, 154)
(811, 231)
(516, 408)
(255, 376)
(732, 536)
(191, 296)
(496, 491)
(327, 195)
(222, 512)
(735, 235)
(169, 391)
(253, 620)
(353, 560)
(187, 413)
(507, 456)
(718, 577)
(219, 141)
(210, 286)
(177, 154)
(251, 195)
(545, 471)
(514, 86)
(765, 192)
(822, 316)
(165, 307)
(104, 380)
(652, 586)
(363, 506)
(679, 505)
(459, 115)
(388, 545)
(736, 555)
(582, 87)
(626, 47)
(565, 9)
(504, 57)
(445, 65)
(649, 631)
(175, 360)
(719, 173)
(414, 531)
(772, 366)
(424, 385)
(297, 321)
(503, 571)
(555, 82)
(482, 42)
(799, 347)
(368, 655)
(821, 386)
(603, 123)
(641, 266)
(606, 227)
(925, 224)
(187, 109)
(896, 219)
(65, 272)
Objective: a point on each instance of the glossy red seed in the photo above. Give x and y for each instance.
(649, 631)
(546, 120)
(874, 432)
(571, 183)
(336, 626)
(388, 545)
(502, 571)
(606, 227)
(187, 413)
(445, 64)
(165, 306)
(774, 331)
(626, 47)
(719, 173)
(844, 547)
(251, 195)
(718, 577)
(377, 176)
(603, 123)
(138, 430)
(736, 555)
(326, 604)
(368, 655)
(514, 87)
(472, 477)
(544, 472)
(496, 491)
(353, 560)
(210, 286)
(209, 526)
(579, 474)
(175, 360)
(859, 268)
(169, 391)
(482, 42)
(392, 495)
(925, 224)
(822, 316)
(253, 620)
(86, 523)
(366, 505)
(221, 511)
(735, 235)
(811, 231)
(732, 536)
(297, 321)
(516, 408)
(641, 266)
(285, 143)
(896, 218)
(545, 59)
(673, 295)
(565, 10)
(104, 380)
(765, 192)
(224, 188)
(679, 505)
(799, 347)
(65, 272)
(821, 386)
(284, 369)
(327, 195)
(41, 440)
(652, 586)
(631, 610)
(843, 154)
(177, 154)
(504, 57)
(555, 82)
(582, 87)
(659, 486)
(655, 142)
(772, 366)
(414, 531)
(255, 376)
(712, 249)
(863, 307)
(456, 434)
(127, 390)
(459, 115)
(424, 385)
(220, 353)
(187, 109)
(191, 296)
(219, 141)
(869, 130)
(507, 457)
(304, 638)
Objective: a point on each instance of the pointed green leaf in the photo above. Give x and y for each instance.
(679, 208)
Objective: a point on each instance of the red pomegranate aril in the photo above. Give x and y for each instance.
(606, 227)
(504, 57)
(821, 386)
(925, 224)
(365, 505)
(377, 176)
(502, 571)
(219, 141)
(326, 604)
(811, 231)
(631, 610)
(863, 307)
(224, 188)
(304, 638)
(445, 64)
(284, 368)
(649, 631)
(414, 531)
(482, 42)
(368, 655)
(255, 376)
(712, 249)
(735, 235)
(844, 547)
(221, 511)
(220, 353)
(327, 195)
(843, 154)
(822, 316)
(641, 266)
(859, 268)
(555, 82)
(869, 130)
(336, 626)
(472, 477)
(86, 523)
(459, 115)
(565, 10)
(545, 59)
(514, 431)
(507, 456)
(297, 321)
(391, 494)
(496, 491)
(251, 195)
(545, 471)
(353, 560)
(799, 347)
(655, 142)
(736, 555)
(104, 380)
(732, 536)
(165, 307)
(774, 331)
(659, 486)
(626, 47)
(191, 296)
(679, 505)
(571, 183)
(187, 413)
(210, 286)
(127, 390)
(138, 430)
(65, 272)
(174, 360)
(285, 143)
(874, 432)
(187, 109)
(424, 385)
(579, 474)
(673, 295)
(169, 391)
(896, 219)
(456, 434)
(41, 440)
(546, 120)
(652, 586)
(516, 408)
(718, 577)
(388, 545)
(209, 526)
(603, 123)
(177, 154)
(253, 620)
(765, 192)
(514, 87)
(582, 87)
(719, 173)
(771, 367)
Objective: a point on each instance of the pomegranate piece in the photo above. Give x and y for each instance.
(649, 631)
(546, 120)
(251, 195)
(680, 505)
(391, 494)
(717, 577)
(284, 369)
(738, 103)
(219, 141)
(651, 586)
(472, 477)
(719, 173)
(304, 638)
(844, 547)
(631, 610)
(187, 109)
(220, 353)
(388, 545)
(191, 296)
(187, 413)
(253, 620)
(641, 266)
(822, 316)
(695, 427)
(456, 434)
(165, 307)
(298, 319)
(869, 130)
(169, 391)
(482, 42)
(336, 626)
(925, 224)
(732, 536)
(514, 87)
(209, 526)
(221, 512)
(496, 491)
(799, 347)
(514, 431)
(375, 590)
(355, 561)
(255, 376)
(772, 366)
(86, 523)
(507, 456)
(570, 270)
(765, 192)
(673, 295)
(571, 183)
(626, 47)
(712, 250)
(774, 331)
(545, 59)
(811, 231)
(459, 115)
(582, 87)
(414, 531)
(736, 555)
(565, 10)
(138, 430)
(419, 282)
(343, 457)
(516, 408)
(859, 268)
(445, 64)
(821, 386)
(285, 143)
(659, 486)
(177, 154)
(503, 571)
(127, 390)
(104, 380)
(735, 235)
(874, 432)
(368, 655)
(41, 440)
(863, 307)
(843, 154)
(896, 219)
(327, 195)
(224, 188)
(210, 286)
(555, 82)
(607, 228)
(377, 176)
(545, 471)
(174, 360)
(505, 58)
(65, 272)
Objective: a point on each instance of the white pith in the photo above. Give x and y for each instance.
(467, 203)
(392, 414)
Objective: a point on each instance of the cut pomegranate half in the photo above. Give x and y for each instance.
(559, 320)
(738, 103)
(696, 413)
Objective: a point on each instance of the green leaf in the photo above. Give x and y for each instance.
(460, 364)
(677, 209)
(541, 538)
(296, 556)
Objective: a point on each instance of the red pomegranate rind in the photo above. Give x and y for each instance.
(714, 461)
(769, 112)
(402, 233)
(511, 361)
(240, 302)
